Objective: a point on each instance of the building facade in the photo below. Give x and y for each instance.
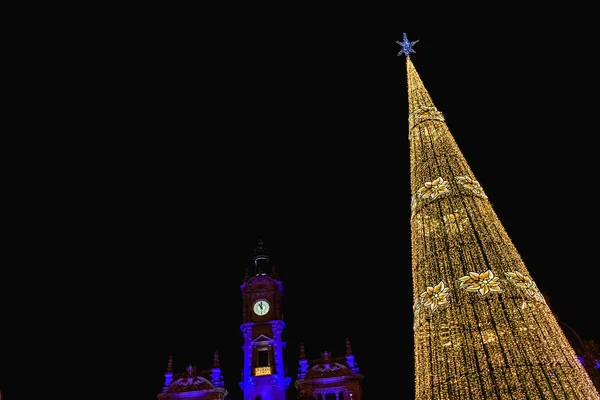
(329, 378)
(264, 374)
(193, 385)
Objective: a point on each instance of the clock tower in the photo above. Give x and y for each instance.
(263, 376)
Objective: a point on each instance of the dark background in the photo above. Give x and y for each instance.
(164, 145)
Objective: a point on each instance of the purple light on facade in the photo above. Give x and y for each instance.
(580, 359)
(597, 364)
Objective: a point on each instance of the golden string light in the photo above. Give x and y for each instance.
(482, 329)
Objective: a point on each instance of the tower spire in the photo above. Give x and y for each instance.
(350, 357)
(481, 326)
(348, 347)
(216, 377)
(216, 359)
(302, 352)
(168, 374)
(303, 361)
(260, 258)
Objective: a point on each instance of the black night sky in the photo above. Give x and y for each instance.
(199, 138)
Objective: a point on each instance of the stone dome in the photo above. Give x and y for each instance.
(190, 384)
(328, 370)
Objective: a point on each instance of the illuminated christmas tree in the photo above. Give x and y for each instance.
(482, 329)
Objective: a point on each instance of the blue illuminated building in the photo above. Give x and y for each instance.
(264, 374)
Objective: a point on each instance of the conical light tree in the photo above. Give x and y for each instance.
(482, 329)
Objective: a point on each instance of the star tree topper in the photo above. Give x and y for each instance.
(406, 46)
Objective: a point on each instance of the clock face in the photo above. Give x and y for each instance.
(261, 307)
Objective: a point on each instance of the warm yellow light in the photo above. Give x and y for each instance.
(482, 329)
(259, 371)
